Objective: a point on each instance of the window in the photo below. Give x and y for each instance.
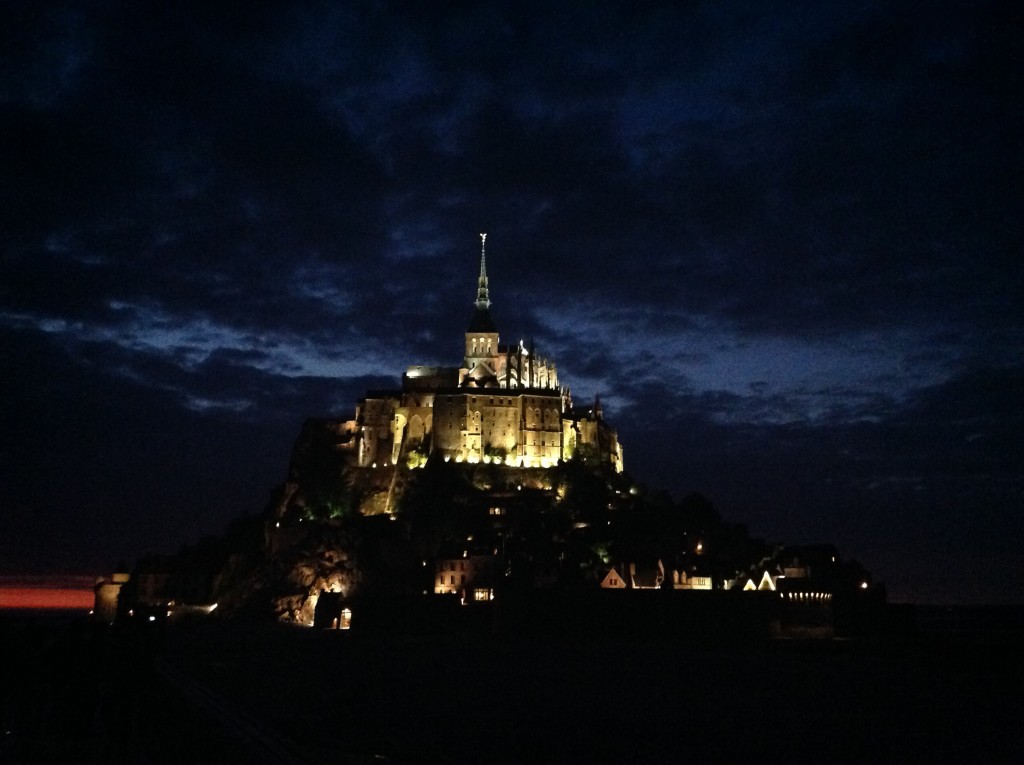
(481, 594)
(462, 579)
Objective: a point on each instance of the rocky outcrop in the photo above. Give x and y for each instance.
(284, 582)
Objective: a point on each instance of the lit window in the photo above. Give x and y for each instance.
(481, 595)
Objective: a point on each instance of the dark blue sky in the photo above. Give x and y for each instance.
(782, 241)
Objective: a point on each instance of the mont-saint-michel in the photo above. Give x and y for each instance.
(750, 315)
(489, 486)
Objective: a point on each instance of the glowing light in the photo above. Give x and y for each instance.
(863, 585)
(44, 596)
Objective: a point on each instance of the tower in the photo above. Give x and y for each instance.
(482, 335)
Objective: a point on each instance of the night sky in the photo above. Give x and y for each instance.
(781, 240)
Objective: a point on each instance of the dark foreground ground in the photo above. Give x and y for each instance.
(216, 694)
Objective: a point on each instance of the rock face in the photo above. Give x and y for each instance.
(324, 530)
(282, 583)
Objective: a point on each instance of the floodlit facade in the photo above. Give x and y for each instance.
(504, 405)
(472, 577)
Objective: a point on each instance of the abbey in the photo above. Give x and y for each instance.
(502, 405)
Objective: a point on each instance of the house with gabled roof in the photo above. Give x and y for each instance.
(613, 580)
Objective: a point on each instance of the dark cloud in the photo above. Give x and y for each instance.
(779, 242)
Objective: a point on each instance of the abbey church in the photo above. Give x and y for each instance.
(504, 405)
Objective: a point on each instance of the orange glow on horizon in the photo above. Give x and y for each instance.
(46, 597)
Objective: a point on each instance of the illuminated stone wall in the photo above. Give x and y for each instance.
(519, 426)
(107, 591)
(375, 418)
(498, 425)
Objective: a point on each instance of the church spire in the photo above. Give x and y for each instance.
(483, 298)
(481, 321)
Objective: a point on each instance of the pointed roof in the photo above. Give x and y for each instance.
(613, 580)
(483, 298)
(482, 321)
